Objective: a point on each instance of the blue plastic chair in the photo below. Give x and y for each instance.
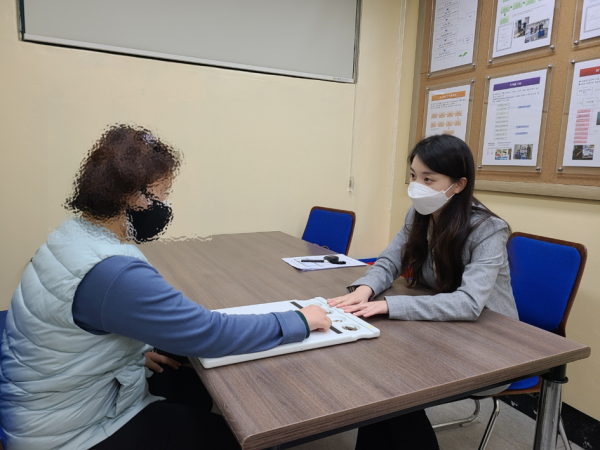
(2, 324)
(545, 276)
(330, 228)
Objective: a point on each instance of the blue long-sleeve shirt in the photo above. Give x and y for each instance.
(127, 296)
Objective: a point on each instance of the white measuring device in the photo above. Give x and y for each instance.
(345, 327)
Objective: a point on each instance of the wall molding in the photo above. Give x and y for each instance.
(547, 190)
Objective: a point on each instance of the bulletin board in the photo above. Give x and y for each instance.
(555, 56)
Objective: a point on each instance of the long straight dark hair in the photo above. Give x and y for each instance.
(450, 156)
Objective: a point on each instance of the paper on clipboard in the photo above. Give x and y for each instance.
(583, 125)
(297, 263)
(453, 34)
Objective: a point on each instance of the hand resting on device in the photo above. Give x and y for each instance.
(316, 317)
(357, 303)
(362, 294)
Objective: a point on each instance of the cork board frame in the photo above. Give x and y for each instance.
(548, 181)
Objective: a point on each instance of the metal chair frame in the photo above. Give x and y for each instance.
(560, 331)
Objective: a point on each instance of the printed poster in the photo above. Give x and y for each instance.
(590, 20)
(522, 25)
(582, 144)
(453, 33)
(514, 119)
(447, 111)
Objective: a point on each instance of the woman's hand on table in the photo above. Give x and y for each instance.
(368, 309)
(361, 294)
(316, 317)
(153, 361)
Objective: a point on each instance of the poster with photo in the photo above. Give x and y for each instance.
(582, 143)
(453, 34)
(590, 19)
(514, 119)
(448, 111)
(522, 25)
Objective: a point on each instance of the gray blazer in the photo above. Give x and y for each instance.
(485, 281)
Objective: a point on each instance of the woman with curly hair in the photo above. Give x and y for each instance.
(77, 353)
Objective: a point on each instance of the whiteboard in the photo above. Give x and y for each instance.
(345, 327)
(307, 38)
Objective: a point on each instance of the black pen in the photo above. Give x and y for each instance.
(312, 260)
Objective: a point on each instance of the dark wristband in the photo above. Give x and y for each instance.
(305, 323)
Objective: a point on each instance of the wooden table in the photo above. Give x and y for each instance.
(290, 399)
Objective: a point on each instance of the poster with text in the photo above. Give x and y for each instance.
(590, 20)
(447, 111)
(522, 25)
(453, 33)
(514, 119)
(582, 143)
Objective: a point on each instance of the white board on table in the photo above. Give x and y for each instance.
(345, 328)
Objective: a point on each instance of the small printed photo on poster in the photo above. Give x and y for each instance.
(598, 118)
(503, 154)
(583, 152)
(537, 30)
(520, 27)
(523, 151)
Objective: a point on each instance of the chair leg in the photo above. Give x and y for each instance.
(563, 435)
(461, 422)
(490, 425)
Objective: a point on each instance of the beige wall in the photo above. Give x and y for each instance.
(260, 150)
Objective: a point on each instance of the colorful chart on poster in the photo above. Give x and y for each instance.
(582, 143)
(453, 34)
(522, 25)
(448, 111)
(514, 118)
(590, 19)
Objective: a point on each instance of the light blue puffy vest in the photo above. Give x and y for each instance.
(60, 386)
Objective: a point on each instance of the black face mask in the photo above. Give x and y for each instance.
(150, 223)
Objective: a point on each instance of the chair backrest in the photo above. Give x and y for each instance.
(331, 228)
(545, 275)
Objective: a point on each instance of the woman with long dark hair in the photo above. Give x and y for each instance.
(77, 352)
(451, 244)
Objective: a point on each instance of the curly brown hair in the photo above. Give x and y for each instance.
(125, 160)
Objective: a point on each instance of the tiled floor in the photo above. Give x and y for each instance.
(513, 430)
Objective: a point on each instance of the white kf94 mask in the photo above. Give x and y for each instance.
(425, 199)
